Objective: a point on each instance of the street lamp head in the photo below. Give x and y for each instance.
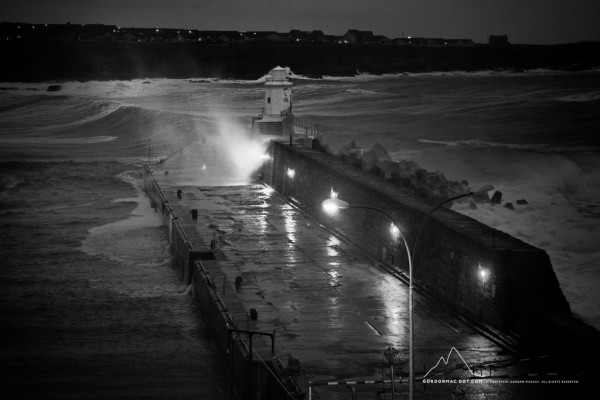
(333, 204)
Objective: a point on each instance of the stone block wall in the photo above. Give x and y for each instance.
(451, 251)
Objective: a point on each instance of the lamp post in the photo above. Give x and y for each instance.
(333, 204)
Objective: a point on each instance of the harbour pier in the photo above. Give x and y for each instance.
(300, 311)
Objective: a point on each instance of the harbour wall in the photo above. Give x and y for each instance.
(519, 292)
(198, 268)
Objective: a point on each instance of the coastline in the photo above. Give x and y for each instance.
(37, 61)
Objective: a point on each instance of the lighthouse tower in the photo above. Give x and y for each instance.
(278, 93)
(276, 115)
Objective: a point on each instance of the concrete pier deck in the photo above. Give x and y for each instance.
(333, 308)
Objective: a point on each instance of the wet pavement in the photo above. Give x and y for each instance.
(335, 309)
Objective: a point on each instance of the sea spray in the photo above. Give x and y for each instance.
(244, 150)
(229, 156)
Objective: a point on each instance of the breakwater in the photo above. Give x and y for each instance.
(518, 292)
(199, 268)
(54, 60)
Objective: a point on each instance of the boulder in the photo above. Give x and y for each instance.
(369, 160)
(375, 170)
(389, 167)
(381, 152)
(509, 205)
(482, 198)
(496, 198)
(348, 148)
(521, 202)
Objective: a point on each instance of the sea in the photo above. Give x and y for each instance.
(82, 251)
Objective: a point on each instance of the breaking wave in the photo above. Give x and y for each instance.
(541, 147)
(580, 97)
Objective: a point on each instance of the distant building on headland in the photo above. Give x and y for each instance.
(498, 40)
(10, 31)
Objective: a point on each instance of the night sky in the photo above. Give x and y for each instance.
(524, 21)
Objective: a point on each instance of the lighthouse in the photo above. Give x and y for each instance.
(278, 93)
(277, 119)
(276, 116)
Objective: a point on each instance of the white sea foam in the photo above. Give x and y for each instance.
(580, 97)
(56, 141)
(541, 147)
(123, 241)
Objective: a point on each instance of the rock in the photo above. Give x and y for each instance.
(389, 167)
(444, 189)
(375, 170)
(521, 202)
(381, 152)
(421, 176)
(509, 205)
(369, 160)
(348, 148)
(482, 198)
(410, 167)
(53, 88)
(496, 198)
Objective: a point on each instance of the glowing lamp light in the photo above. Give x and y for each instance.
(291, 173)
(332, 205)
(483, 273)
(203, 167)
(394, 230)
